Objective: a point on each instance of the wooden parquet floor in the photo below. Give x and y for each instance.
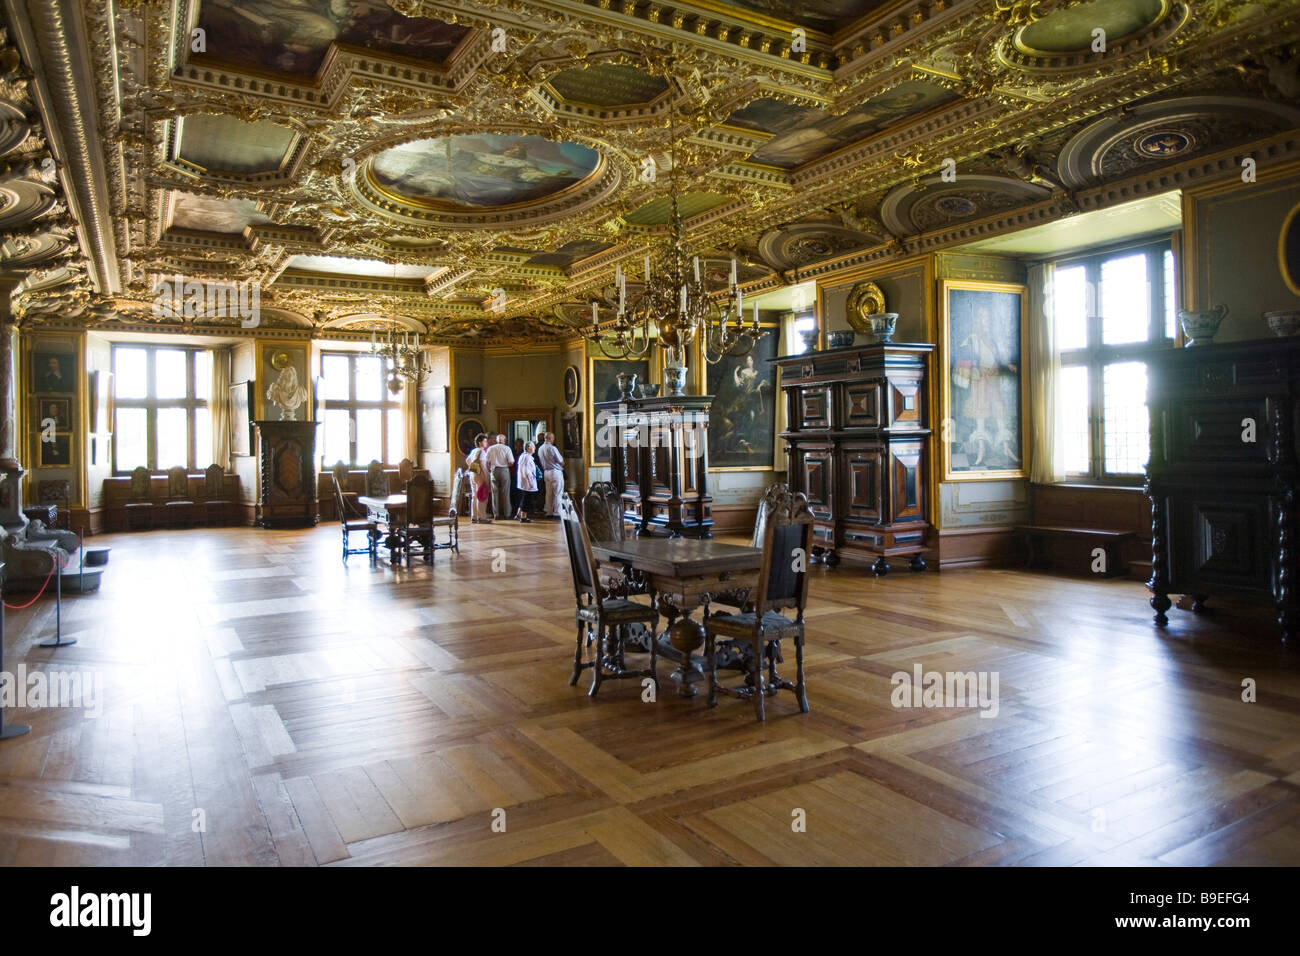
(264, 704)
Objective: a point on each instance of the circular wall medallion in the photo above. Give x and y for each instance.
(572, 386)
(865, 299)
(1161, 143)
(1288, 250)
(489, 170)
(279, 360)
(465, 432)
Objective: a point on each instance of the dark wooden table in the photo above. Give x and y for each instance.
(682, 574)
(389, 510)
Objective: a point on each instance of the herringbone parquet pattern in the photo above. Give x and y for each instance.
(264, 704)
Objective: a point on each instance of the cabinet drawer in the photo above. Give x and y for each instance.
(814, 407)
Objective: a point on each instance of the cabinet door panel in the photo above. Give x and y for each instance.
(864, 480)
(861, 405)
(1222, 540)
(908, 485)
(815, 469)
(815, 407)
(1214, 430)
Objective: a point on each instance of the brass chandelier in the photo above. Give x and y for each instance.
(675, 297)
(405, 359)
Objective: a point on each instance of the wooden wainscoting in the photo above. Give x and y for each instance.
(733, 519)
(1093, 506)
(991, 547)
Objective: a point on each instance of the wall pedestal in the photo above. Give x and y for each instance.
(287, 492)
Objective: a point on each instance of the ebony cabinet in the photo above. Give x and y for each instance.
(287, 496)
(1222, 478)
(858, 439)
(659, 461)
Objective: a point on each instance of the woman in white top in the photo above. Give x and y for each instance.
(480, 483)
(526, 481)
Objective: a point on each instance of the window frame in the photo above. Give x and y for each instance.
(152, 404)
(352, 405)
(1095, 355)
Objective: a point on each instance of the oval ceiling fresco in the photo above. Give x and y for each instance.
(1070, 30)
(482, 171)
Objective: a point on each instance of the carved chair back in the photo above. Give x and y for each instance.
(376, 480)
(787, 542)
(419, 500)
(214, 483)
(140, 483)
(457, 489)
(581, 561)
(602, 512)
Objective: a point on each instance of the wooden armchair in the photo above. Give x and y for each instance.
(139, 506)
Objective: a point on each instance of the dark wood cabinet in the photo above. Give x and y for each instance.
(858, 441)
(287, 497)
(1222, 477)
(659, 461)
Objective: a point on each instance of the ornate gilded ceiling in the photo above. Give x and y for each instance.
(475, 170)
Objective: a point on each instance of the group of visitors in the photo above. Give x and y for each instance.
(535, 465)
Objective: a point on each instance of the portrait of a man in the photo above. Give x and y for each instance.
(55, 372)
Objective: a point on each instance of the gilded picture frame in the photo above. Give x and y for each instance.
(983, 388)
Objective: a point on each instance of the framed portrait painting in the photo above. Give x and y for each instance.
(982, 386)
(572, 425)
(54, 372)
(470, 401)
(53, 413)
(742, 421)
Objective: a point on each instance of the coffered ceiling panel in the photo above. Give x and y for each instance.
(227, 144)
(209, 214)
(288, 36)
(824, 15)
(814, 134)
(607, 85)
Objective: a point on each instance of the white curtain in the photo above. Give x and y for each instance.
(788, 344)
(1046, 450)
(221, 408)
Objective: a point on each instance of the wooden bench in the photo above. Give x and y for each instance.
(1109, 541)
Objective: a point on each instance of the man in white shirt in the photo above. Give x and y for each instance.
(552, 462)
(499, 460)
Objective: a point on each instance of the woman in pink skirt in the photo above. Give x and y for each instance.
(479, 482)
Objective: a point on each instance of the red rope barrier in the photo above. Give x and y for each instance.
(58, 563)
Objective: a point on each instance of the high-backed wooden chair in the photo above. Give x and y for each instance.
(405, 471)
(179, 506)
(451, 520)
(742, 599)
(782, 583)
(342, 480)
(350, 524)
(139, 506)
(217, 504)
(602, 514)
(418, 529)
(599, 616)
(376, 481)
(57, 492)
